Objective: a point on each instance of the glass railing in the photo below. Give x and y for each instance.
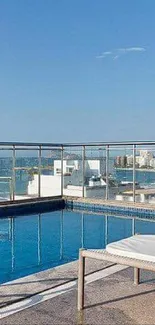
(123, 171)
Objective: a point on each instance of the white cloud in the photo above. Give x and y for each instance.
(116, 57)
(136, 49)
(117, 53)
(107, 53)
(100, 56)
(103, 55)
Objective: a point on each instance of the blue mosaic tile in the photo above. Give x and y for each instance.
(129, 211)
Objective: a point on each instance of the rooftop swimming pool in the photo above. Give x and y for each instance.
(32, 243)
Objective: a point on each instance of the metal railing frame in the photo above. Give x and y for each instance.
(40, 147)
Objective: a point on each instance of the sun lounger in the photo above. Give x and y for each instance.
(137, 251)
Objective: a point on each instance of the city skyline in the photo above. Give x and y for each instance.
(143, 159)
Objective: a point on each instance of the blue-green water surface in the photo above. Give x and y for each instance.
(32, 243)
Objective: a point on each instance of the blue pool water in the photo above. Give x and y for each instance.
(32, 243)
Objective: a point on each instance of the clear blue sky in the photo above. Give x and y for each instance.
(58, 84)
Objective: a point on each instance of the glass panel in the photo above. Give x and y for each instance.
(50, 179)
(5, 173)
(145, 174)
(95, 172)
(72, 171)
(121, 169)
(26, 166)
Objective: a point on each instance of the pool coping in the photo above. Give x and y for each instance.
(20, 207)
(99, 205)
(44, 204)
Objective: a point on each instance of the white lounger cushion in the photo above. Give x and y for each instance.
(141, 247)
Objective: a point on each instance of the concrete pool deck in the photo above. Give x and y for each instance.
(29, 285)
(110, 298)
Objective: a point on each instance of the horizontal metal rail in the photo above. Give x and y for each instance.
(89, 144)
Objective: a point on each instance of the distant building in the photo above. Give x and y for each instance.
(123, 161)
(118, 161)
(152, 163)
(146, 154)
(129, 160)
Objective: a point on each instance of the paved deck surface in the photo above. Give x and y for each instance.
(29, 285)
(112, 300)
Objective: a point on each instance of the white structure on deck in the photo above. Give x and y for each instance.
(92, 167)
(141, 195)
(95, 182)
(72, 179)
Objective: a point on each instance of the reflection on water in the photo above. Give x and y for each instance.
(32, 243)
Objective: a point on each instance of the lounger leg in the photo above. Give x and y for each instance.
(136, 275)
(81, 281)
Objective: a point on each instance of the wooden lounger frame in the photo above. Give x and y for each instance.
(105, 256)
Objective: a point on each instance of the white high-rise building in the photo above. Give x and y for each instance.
(146, 153)
(152, 163)
(129, 160)
(144, 158)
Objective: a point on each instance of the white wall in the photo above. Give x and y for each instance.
(72, 190)
(66, 165)
(92, 167)
(127, 198)
(50, 185)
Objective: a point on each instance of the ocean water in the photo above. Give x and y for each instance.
(22, 176)
(142, 177)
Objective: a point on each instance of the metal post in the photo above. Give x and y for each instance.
(39, 172)
(11, 189)
(81, 281)
(107, 172)
(62, 173)
(134, 172)
(13, 172)
(83, 170)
